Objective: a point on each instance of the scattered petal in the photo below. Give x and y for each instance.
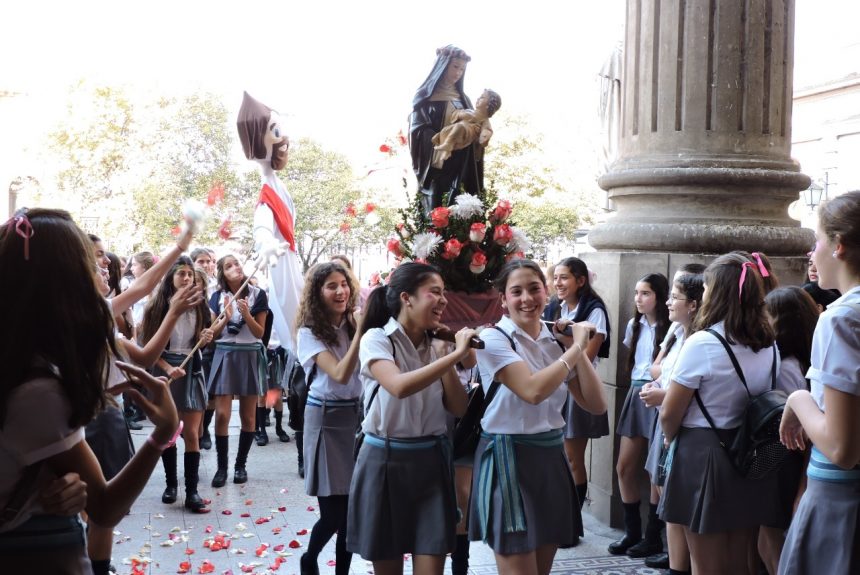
(262, 520)
(249, 502)
(226, 512)
(261, 550)
(276, 530)
(208, 529)
(278, 547)
(241, 527)
(302, 532)
(331, 562)
(158, 516)
(295, 544)
(184, 567)
(207, 567)
(189, 551)
(245, 515)
(282, 508)
(311, 508)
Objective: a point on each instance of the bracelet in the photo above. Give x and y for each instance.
(565, 364)
(169, 444)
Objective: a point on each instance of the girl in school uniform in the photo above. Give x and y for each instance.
(402, 492)
(523, 500)
(328, 339)
(683, 304)
(719, 510)
(576, 301)
(825, 532)
(239, 363)
(636, 422)
(188, 385)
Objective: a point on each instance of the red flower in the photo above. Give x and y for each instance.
(350, 210)
(477, 231)
(503, 234)
(439, 217)
(502, 211)
(344, 227)
(395, 248)
(514, 256)
(478, 263)
(403, 230)
(452, 249)
(216, 194)
(225, 230)
(385, 149)
(175, 231)
(369, 207)
(401, 138)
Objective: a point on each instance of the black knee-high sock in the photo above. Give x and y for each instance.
(343, 558)
(332, 516)
(222, 448)
(207, 419)
(460, 556)
(581, 492)
(279, 418)
(246, 438)
(168, 458)
(676, 572)
(260, 423)
(100, 566)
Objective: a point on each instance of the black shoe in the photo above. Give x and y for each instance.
(302, 470)
(307, 566)
(195, 503)
(645, 548)
(621, 546)
(206, 441)
(133, 425)
(139, 415)
(169, 495)
(658, 561)
(220, 478)
(262, 437)
(240, 475)
(282, 435)
(268, 420)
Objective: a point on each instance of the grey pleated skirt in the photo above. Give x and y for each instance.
(580, 424)
(550, 505)
(189, 392)
(704, 492)
(109, 438)
(237, 371)
(636, 420)
(402, 501)
(328, 446)
(825, 533)
(655, 450)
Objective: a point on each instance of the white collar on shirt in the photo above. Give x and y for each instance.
(393, 325)
(510, 328)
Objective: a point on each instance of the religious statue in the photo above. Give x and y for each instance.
(467, 127)
(436, 105)
(264, 140)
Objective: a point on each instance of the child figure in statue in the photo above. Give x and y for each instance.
(468, 127)
(264, 140)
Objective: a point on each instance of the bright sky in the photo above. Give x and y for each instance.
(342, 72)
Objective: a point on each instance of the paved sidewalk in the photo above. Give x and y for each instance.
(267, 517)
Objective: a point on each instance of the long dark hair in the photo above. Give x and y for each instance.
(839, 218)
(383, 303)
(692, 287)
(222, 281)
(660, 285)
(794, 316)
(312, 310)
(159, 303)
(579, 270)
(741, 308)
(114, 273)
(55, 312)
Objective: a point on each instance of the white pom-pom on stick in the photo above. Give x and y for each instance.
(193, 212)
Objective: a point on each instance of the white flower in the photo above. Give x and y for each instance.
(520, 242)
(466, 205)
(425, 244)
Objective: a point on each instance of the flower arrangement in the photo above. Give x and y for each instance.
(466, 241)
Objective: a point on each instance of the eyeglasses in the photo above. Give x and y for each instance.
(673, 298)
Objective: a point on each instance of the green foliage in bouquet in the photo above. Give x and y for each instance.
(466, 241)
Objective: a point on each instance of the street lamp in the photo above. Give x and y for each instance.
(813, 195)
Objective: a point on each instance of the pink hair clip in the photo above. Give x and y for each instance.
(761, 267)
(23, 228)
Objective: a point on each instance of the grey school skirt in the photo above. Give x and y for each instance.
(655, 450)
(238, 369)
(825, 533)
(549, 504)
(46, 544)
(636, 420)
(579, 424)
(109, 438)
(401, 499)
(704, 492)
(328, 445)
(189, 392)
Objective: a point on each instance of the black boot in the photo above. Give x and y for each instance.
(222, 447)
(300, 451)
(658, 561)
(581, 492)
(279, 430)
(193, 501)
(267, 413)
(653, 542)
(308, 565)
(260, 434)
(206, 439)
(632, 528)
(460, 556)
(168, 458)
(246, 438)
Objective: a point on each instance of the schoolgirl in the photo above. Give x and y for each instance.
(825, 532)
(576, 301)
(402, 491)
(793, 314)
(523, 500)
(328, 340)
(57, 377)
(719, 509)
(239, 363)
(188, 385)
(636, 422)
(683, 304)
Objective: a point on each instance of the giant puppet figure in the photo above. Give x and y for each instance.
(264, 140)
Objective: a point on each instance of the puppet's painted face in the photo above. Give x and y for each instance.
(277, 141)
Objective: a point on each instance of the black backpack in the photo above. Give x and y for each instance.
(756, 450)
(297, 387)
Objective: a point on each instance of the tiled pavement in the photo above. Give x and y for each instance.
(270, 512)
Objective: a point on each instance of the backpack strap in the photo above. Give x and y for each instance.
(734, 359)
(376, 389)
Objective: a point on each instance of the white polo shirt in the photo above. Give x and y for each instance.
(671, 358)
(418, 415)
(704, 365)
(507, 413)
(597, 317)
(644, 353)
(323, 386)
(790, 377)
(836, 349)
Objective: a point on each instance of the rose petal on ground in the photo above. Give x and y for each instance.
(226, 512)
(331, 562)
(208, 529)
(245, 515)
(184, 567)
(295, 544)
(302, 532)
(311, 508)
(189, 551)
(207, 567)
(282, 508)
(249, 502)
(276, 530)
